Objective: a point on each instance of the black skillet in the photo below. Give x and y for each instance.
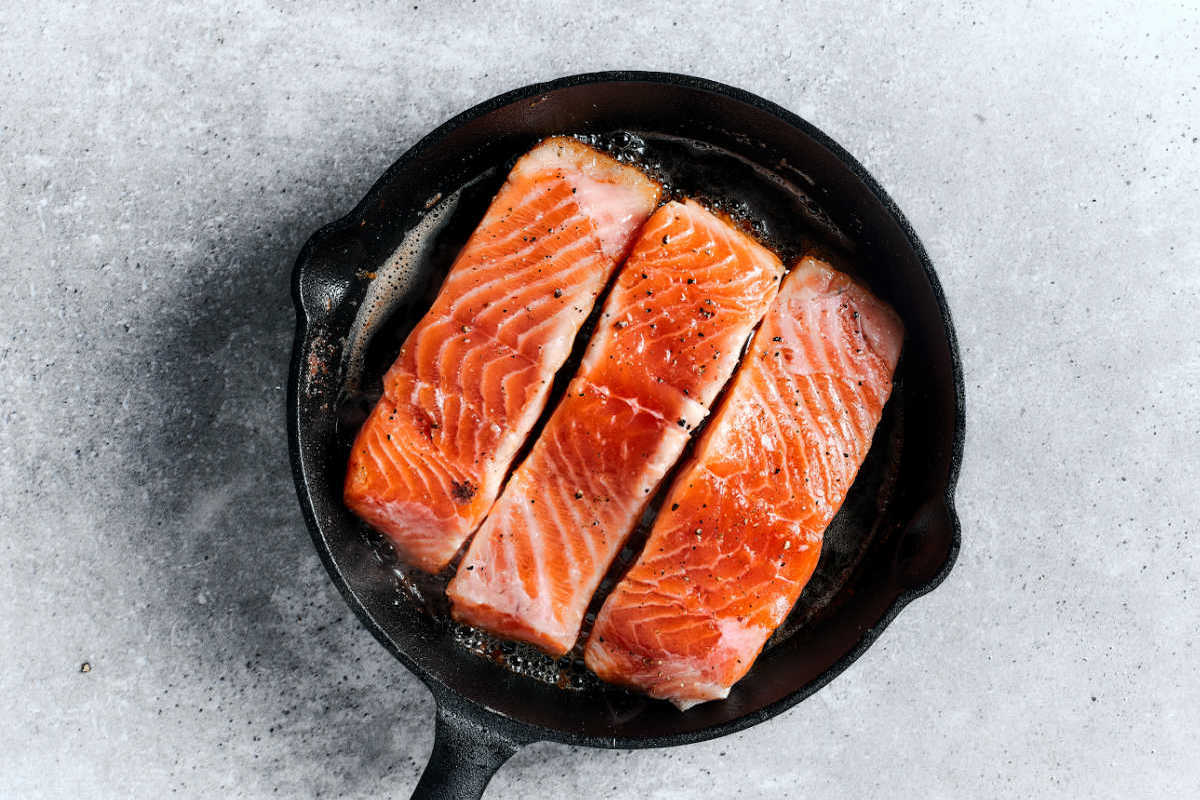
(896, 537)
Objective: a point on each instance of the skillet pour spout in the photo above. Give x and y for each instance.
(897, 535)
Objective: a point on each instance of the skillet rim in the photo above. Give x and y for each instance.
(448, 699)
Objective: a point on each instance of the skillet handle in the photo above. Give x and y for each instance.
(466, 754)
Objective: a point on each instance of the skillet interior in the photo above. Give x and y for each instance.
(896, 537)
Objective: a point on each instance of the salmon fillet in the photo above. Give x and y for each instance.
(473, 376)
(670, 336)
(740, 530)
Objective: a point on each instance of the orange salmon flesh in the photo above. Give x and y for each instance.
(740, 531)
(683, 306)
(474, 375)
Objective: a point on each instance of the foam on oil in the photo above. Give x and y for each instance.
(392, 283)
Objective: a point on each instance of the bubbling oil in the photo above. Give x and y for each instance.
(393, 282)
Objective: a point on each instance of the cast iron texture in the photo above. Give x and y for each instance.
(486, 712)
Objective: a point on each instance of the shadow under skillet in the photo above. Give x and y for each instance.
(237, 600)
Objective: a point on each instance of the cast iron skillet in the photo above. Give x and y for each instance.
(897, 535)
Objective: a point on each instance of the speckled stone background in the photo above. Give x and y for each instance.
(160, 168)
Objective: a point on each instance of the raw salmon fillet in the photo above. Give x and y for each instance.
(740, 530)
(670, 336)
(473, 376)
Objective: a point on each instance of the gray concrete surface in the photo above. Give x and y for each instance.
(159, 169)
